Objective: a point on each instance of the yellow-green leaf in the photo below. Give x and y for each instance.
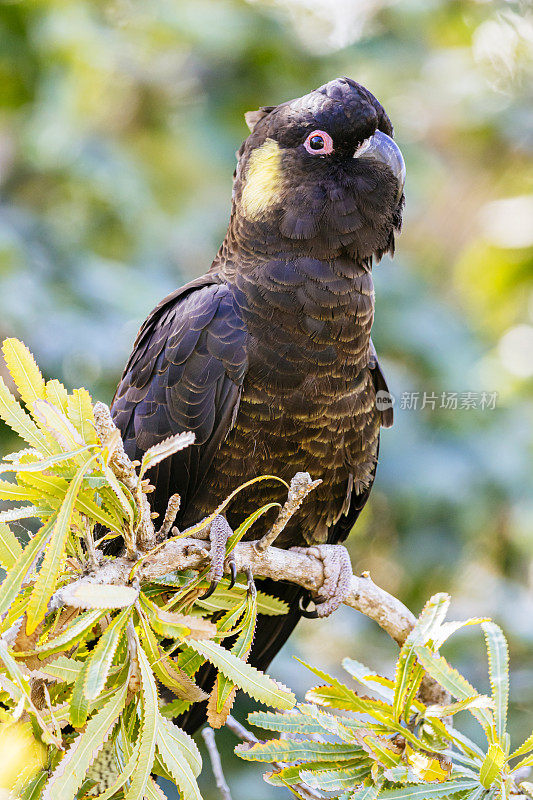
(10, 547)
(492, 764)
(80, 413)
(498, 655)
(12, 583)
(24, 371)
(101, 658)
(46, 581)
(21, 422)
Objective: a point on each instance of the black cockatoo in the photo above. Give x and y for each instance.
(268, 357)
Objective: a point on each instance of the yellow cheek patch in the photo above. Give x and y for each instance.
(263, 180)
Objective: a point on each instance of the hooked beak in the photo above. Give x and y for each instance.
(381, 147)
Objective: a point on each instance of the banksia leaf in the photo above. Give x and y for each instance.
(148, 730)
(492, 764)
(498, 655)
(49, 572)
(288, 750)
(57, 394)
(437, 791)
(72, 635)
(97, 595)
(164, 449)
(10, 547)
(58, 425)
(101, 658)
(80, 413)
(24, 371)
(335, 779)
(14, 579)
(21, 422)
(79, 704)
(248, 678)
(70, 774)
(179, 741)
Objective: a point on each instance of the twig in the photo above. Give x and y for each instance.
(216, 764)
(300, 487)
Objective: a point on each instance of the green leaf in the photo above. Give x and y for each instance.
(524, 748)
(45, 584)
(181, 757)
(492, 764)
(24, 371)
(295, 722)
(73, 634)
(12, 583)
(148, 730)
(366, 793)
(429, 791)
(80, 413)
(425, 629)
(124, 776)
(64, 669)
(70, 773)
(498, 655)
(248, 678)
(455, 683)
(370, 679)
(79, 704)
(101, 658)
(166, 671)
(21, 422)
(58, 424)
(57, 394)
(42, 464)
(288, 750)
(245, 526)
(10, 547)
(334, 779)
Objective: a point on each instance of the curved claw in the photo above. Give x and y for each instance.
(233, 573)
(212, 586)
(305, 613)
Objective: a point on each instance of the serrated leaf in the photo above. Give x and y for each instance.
(498, 655)
(426, 628)
(24, 371)
(370, 679)
(42, 464)
(21, 422)
(427, 768)
(255, 683)
(73, 634)
(289, 750)
(46, 580)
(223, 599)
(70, 774)
(181, 757)
(335, 779)
(101, 658)
(64, 669)
(79, 704)
(492, 764)
(23, 512)
(164, 449)
(13, 581)
(453, 682)
(166, 671)
(97, 595)
(479, 701)
(176, 626)
(124, 776)
(524, 748)
(148, 730)
(429, 792)
(56, 394)
(293, 722)
(245, 526)
(10, 547)
(58, 424)
(447, 628)
(366, 793)
(80, 413)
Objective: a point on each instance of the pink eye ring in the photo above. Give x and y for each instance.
(319, 143)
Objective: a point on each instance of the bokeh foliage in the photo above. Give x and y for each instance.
(118, 125)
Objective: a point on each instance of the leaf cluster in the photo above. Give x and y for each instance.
(100, 670)
(391, 745)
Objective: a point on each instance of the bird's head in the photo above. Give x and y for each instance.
(323, 173)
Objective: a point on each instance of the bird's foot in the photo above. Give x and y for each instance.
(337, 570)
(219, 533)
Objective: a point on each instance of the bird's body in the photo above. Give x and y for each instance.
(268, 357)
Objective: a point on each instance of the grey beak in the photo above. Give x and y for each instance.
(381, 147)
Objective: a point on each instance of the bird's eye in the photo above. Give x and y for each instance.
(319, 143)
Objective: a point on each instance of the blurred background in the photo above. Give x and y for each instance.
(118, 127)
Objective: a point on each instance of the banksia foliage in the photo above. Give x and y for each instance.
(100, 670)
(392, 746)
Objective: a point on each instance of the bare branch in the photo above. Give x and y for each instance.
(216, 764)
